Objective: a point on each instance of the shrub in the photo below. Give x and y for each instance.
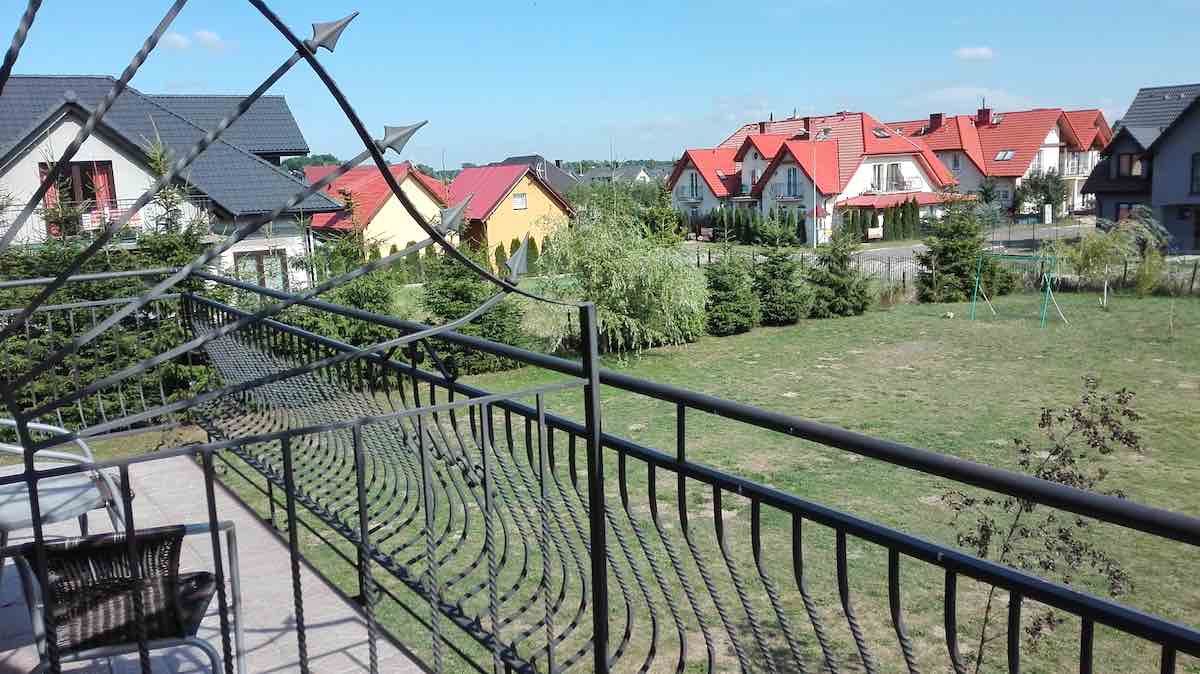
(948, 266)
(646, 294)
(1150, 273)
(838, 288)
(531, 256)
(501, 258)
(450, 292)
(732, 306)
(783, 296)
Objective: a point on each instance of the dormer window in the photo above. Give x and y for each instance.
(1005, 155)
(880, 132)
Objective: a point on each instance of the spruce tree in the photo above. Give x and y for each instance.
(732, 306)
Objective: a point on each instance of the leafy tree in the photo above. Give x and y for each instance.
(1042, 189)
(298, 163)
(513, 246)
(732, 305)
(783, 296)
(449, 293)
(646, 294)
(949, 263)
(1111, 244)
(1047, 542)
(838, 288)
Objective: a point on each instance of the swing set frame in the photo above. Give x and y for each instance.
(1047, 269)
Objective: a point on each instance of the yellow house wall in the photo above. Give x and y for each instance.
(394, 226)
(539, 219)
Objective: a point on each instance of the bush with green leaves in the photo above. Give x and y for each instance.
(451, 292)
(782, 294)
(952, 256)
(732, 305)
(646, 294)
(147, 332)
(838, 288)
(501, 257)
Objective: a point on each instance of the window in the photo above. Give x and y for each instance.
(1124, 210)
(694, 214)
(793, 181)
(1005, 155)
(1004, 196)
(1131, 165)
(895, 179)
(267, 268)
(1184, 214)
(520, 201)
(955, 162)
(82, 181)
(694, 185)
(1036, 165)
(1196, 173)
(877, 177)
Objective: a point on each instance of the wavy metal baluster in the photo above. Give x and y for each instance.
(906, 646)
(810, 606)
(772, 589)
(950, 618)
(739, 586)
(848, 608)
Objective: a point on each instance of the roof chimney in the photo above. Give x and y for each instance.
(935, 121)
(983, 117)
(762, 127)
(558, 163)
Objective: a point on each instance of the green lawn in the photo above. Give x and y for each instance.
(952, 385)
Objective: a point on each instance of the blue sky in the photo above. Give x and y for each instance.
(577, 80)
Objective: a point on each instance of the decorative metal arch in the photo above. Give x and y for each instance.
(404, 463)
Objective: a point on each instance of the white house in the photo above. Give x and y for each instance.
(234, 181)
(1008, 147)
(816, 166)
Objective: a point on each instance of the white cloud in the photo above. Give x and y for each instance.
(974, 54)
(175, 41)
(210, 40)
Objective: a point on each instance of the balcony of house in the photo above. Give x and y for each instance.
(327, 507)
(890, 185)
(86, 219)
(785, 192)
(688, 194)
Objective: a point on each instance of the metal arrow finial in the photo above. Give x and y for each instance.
(518, 264)
(327, 34)
(452, 217)
(396, 137)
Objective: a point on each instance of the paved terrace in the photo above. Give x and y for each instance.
(172, 492)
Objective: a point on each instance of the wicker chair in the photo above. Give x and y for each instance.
(92, 592)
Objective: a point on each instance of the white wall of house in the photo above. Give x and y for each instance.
(910, 171)
(282, 235)
(1049, 154)
(776, 187)
(967, 173)
(753, 166)
(21, 177)
(707, 200)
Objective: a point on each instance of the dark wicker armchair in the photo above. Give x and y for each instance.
(92, 592)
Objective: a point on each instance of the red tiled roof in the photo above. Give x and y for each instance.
(957, 132)
(1022, 132)
(367, 188)
(1090, 128)
(889, 200)
(855, 136)
(717, 166)
(766, 144)
(784, 127)
(489, 186)
(825, 168)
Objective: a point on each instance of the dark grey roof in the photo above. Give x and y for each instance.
(624, 172)
(231, 176)
(1155, 108)
(268, 127)
(559, 178)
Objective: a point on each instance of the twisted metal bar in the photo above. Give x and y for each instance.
(18, 40)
